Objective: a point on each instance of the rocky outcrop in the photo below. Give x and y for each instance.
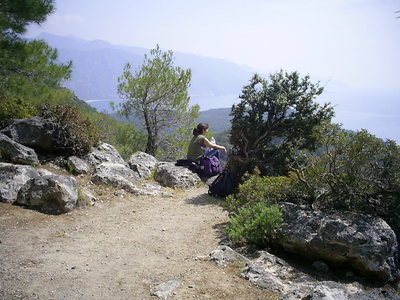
(172, 176)
(53, 194)
(41, 135)
(367, 245)
(141, 166)
(272, 273)
(108, 166)
(12, 178)
(36, 133)
(16, 153)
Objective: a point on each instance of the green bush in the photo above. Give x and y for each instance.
(255, 224)
(76, 132)
(352, 171)
(356, 171)
(256, 188)
(14, 108)
(125, 137)
(254, 214)
(129, 140)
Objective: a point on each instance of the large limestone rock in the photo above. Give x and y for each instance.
(172, 176)
(117, 175)
(12, 178)
(11, 151)
(36, 133)
(143, 164)
(53, 194)
(105, 153)
(77, 165)
(273, 273)
(225, 255)
(366, 244)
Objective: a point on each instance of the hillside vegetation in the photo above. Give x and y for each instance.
(99, 81)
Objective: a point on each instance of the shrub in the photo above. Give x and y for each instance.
(14, 108)
(256, 188)
(356, 171)
(273, 117)
(125, 137)
(353, 171)
(255, 224)
(254, 214)
(129, 140)
(76, 133)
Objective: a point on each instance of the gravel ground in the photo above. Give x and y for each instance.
(120, 248)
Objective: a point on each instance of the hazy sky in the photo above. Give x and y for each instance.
(356, 42)
(352, 42)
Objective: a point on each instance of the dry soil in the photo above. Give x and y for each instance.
(120, 248)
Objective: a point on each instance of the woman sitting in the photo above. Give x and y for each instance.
(199, 142)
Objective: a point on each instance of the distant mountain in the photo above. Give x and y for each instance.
(98, 64)
(218, 119)
(216, 83)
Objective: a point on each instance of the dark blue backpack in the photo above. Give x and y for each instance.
(223, 185)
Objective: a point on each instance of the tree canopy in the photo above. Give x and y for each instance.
(158, 94)
(27, 69)
(275, 117)
(15, 15)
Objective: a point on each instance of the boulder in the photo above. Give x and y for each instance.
(330, 290)
(117, 175)
(151, 189)
(225, 255)
(53, 194)
(165, 289)
(270, 272)
(366, 244)
(11, 151)
(44, 172)
(86, 197)
(37, 133)
(77, 165)
(172, 176)
(104, 153)
(12, 178)
(143, 164)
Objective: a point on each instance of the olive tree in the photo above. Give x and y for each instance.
(157, 93)
(272, 118)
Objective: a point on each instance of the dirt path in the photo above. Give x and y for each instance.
(118, 249)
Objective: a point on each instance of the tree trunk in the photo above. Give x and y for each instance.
(150, 146)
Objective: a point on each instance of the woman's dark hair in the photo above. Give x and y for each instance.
(199, 129)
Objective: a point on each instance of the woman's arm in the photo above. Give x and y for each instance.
(208, 144)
